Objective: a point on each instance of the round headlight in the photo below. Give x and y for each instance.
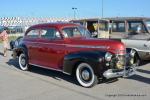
(108, 56)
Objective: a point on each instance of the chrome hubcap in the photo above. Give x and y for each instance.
(85, 75)
(23, 62)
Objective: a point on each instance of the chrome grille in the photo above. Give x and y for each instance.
(120, 62)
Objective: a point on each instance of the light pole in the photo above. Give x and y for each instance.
(74, 11)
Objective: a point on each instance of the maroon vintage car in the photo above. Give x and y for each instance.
(68, 48)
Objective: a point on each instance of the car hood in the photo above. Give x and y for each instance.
(113, 46)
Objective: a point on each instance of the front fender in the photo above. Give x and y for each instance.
(94, 58)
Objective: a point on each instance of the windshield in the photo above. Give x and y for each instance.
(148, 24)
(70, 32)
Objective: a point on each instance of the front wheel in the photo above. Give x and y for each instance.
(23, 62)
(85, 75)
(135, 60)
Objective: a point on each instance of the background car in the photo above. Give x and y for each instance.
(15, 43)
(134, 32)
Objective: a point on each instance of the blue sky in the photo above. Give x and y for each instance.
(63, 8)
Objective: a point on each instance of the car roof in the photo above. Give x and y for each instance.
(114, 19)
(53, 25)
(85, 19)
(127, 18)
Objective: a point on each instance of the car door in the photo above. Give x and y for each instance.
(51, 51)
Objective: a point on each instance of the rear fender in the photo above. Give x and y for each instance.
(20, 49)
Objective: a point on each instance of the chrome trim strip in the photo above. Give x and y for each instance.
(44, 43)
(49, 68)
(66, 73)
(89, 46)
(138, 50)
(77, 46)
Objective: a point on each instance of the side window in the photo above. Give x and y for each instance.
(33, 33)
(103, 26)
(118, 27)
(50, 33)
(136, 27)
(72, 32)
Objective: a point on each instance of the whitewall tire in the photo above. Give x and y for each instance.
(85, 75)
(23, 63)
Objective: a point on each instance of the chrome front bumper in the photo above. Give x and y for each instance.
(112, 73)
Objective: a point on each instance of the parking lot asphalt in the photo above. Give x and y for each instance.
(42, 84)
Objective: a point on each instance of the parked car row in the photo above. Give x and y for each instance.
(134, 32)
(69, 48)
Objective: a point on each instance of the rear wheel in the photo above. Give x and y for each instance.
(23, 62)
(85, 75)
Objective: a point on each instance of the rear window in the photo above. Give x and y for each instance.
(33, 33)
